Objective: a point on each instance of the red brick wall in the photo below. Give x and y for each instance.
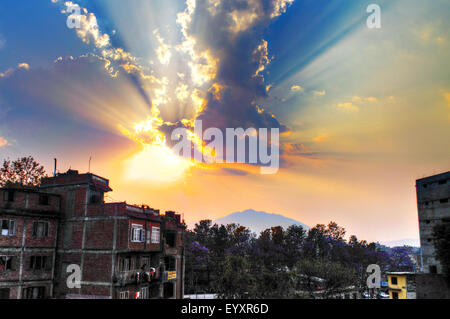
(99, 234)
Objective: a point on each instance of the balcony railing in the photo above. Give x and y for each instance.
(136, 277)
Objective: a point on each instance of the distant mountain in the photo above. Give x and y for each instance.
(259, 221)
(413, 242)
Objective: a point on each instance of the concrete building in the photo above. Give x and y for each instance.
(402, 285)
(433, 203)
(121, 251)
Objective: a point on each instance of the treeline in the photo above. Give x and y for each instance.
(233, 262)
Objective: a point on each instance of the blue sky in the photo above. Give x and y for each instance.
(358, 106)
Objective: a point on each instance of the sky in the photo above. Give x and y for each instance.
(362, 112)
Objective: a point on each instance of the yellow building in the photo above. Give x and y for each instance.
(402, 285)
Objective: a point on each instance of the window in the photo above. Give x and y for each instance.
(444, 200)
(124, 295)
(442, 182)
(170, 264)
(394, 280)
(433, 269)
(394, 295)
(171, 238)
(8, 196)
(168, 290)
(34, 293)
(145, 262)
(137, 234)
(8, 227)
(156, 235)
(40, 229)
(125, 264)
(44, 200)
(148, 236)
(4, 293)
(143, 293)
(39, 262)
(7, 263)
(95, 199)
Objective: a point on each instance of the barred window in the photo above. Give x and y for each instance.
(8, 227)
(40, 229)
(137, 234)
(156, 235)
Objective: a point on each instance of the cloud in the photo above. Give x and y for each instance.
(24, 66)
(296, 88)
(88, 31)
(319, 93)
(3, 142)
(11, 71)
(358, 99)
(163, 51)
(348, 106)
(231, 55)
(321, 139)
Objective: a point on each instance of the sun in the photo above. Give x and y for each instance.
(157, 164)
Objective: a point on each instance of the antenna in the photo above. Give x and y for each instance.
(54, 171)
(90, 158)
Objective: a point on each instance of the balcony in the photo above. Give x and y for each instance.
(134, 277)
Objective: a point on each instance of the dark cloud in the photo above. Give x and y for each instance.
(232, 31)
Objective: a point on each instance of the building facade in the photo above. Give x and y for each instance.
(402, 285)
(29, 223)
(433, 203)
(101, 250)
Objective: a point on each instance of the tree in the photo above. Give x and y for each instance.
(330, 278)
(24, 171)
(441, 234)
(235, 280)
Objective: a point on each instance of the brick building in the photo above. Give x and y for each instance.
(120, 250)
(29, 225)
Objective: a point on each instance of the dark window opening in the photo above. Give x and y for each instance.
(95, 199)
(442, 182)
(34, 293)
(394, 280)
(40, 229)
(170, 263)
(39, 263)
(7, 263)
(444, 200)
(427, 221)
(4, 293)
(433, 269)
(8, 196)
(394, 295)
(125, 264)
(168, 290)
(171, 238)
(425, 185)
(44, 200)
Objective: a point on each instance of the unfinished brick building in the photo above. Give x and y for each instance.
(121, 251)
(29, 224)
